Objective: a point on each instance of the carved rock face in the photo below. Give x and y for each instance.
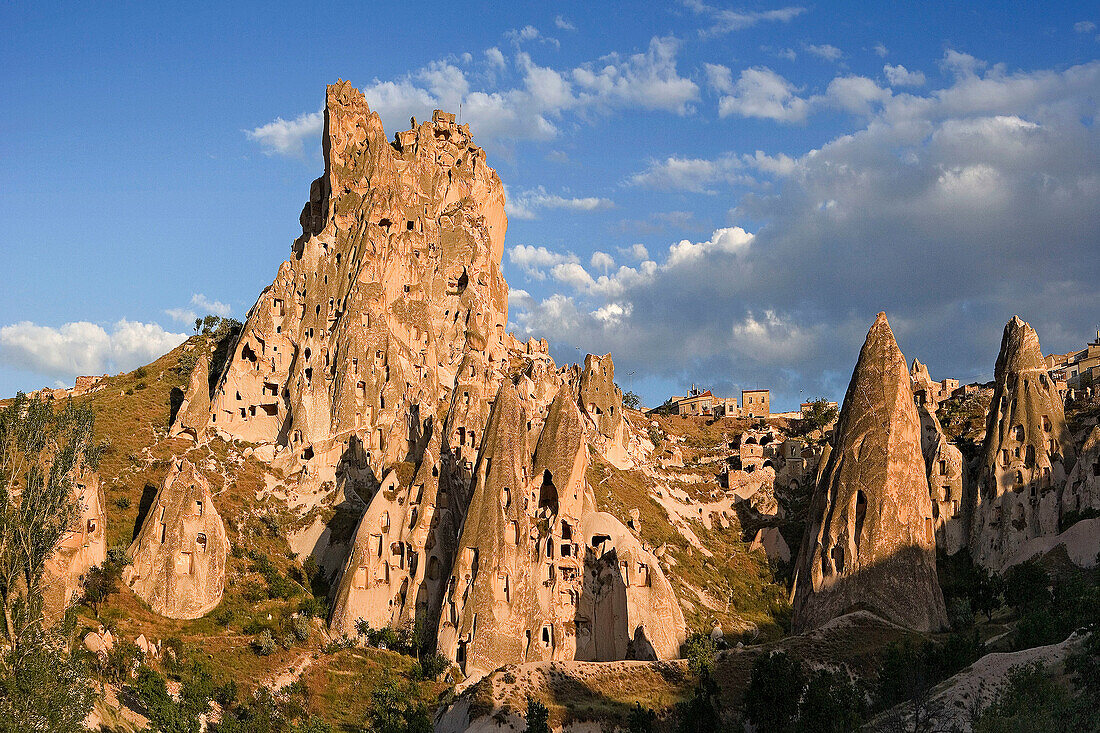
(540, 575)
(1025, 456)
(601, 399)
(81, 548)
(870, 543)
(178, 558)
(1083, 484)
(946, 481)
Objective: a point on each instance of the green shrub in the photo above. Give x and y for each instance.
(264, 643)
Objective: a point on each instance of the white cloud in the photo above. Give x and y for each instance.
(534, 260)
(719, 78)
(1084, 26)
(81, 347)
(286, 137)
(601, 261)
(206, 305)
(899, 76)
(723, 21)
(825, 51)
(526, 205)
(530, 111)
(961, 64)
(760, 92)
(881, 50)
(696, 175)
(635, 251)
(564, 24)
(956, 205)
(856, 94)
(494, 57)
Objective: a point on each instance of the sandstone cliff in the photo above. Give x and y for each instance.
(178, 558)
(870, 542)
(1026, 454)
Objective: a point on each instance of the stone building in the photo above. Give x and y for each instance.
(870, 540)
(1078, 369)
(178, 557)
(755, 403)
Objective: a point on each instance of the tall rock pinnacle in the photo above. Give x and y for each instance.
(870, 543)
(1026, 455)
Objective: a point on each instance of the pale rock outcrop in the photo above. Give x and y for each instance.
(178, 558)
(769, 541)
(922, 383)
(99, 642)
(80, 549)
(1082, 489)
(870, 543)
(946, 480)
(540, 575)
(1026, 454)
(194, 412)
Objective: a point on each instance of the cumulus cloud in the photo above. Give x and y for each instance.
(199, 306)
(81, 347)
(527, 204)
(534, 261)
(530, 110)
(825, 51)
(287, 137)
(636, 252)
(564, 23)
(952, 210)
(899, 76)
(881, 50)
(723, 21)
(697, 175)
(760, 92)
(1084, 26)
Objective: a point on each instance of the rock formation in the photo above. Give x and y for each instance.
(946, 471)
(1026, 454)
(178, 558)
(377, 364)
(922, 383)
(194, 411)
(81, 548)
(1082, 490)
(870, 542)
(540, 574)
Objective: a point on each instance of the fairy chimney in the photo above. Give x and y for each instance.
(871, 543)
(81, 548)
(1026, 455)
(178, 558)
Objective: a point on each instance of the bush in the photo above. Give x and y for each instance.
(538, 717)
(700, 651)
(299, 626)
(140, 373)
(264, 643)
(830, 704)
(430, 666)
(641, 720)
(122, 502)
(394, 707)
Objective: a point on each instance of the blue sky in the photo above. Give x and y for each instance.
(719, 194)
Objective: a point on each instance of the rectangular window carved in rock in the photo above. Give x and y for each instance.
(200, 542)
(183, 563)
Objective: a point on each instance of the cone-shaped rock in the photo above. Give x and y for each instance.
(946, 478)
(491, 595)
(870, 544)
(1026, 454)
(178, 558)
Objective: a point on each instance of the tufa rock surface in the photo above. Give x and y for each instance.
(1082, 489)
(541, 575)
(946, 479)
(1026, 455)
(81, 548)
(870, 543)
(178, 558)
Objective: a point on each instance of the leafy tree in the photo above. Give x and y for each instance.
(830, 704)
(631, 400)
(775, 688)
(41, 452)
(538, 717)
(817, 417)
(701, 711)
(395, 709)
(1034, 700)
(100, 583)
(700, 651)
(43, 687)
